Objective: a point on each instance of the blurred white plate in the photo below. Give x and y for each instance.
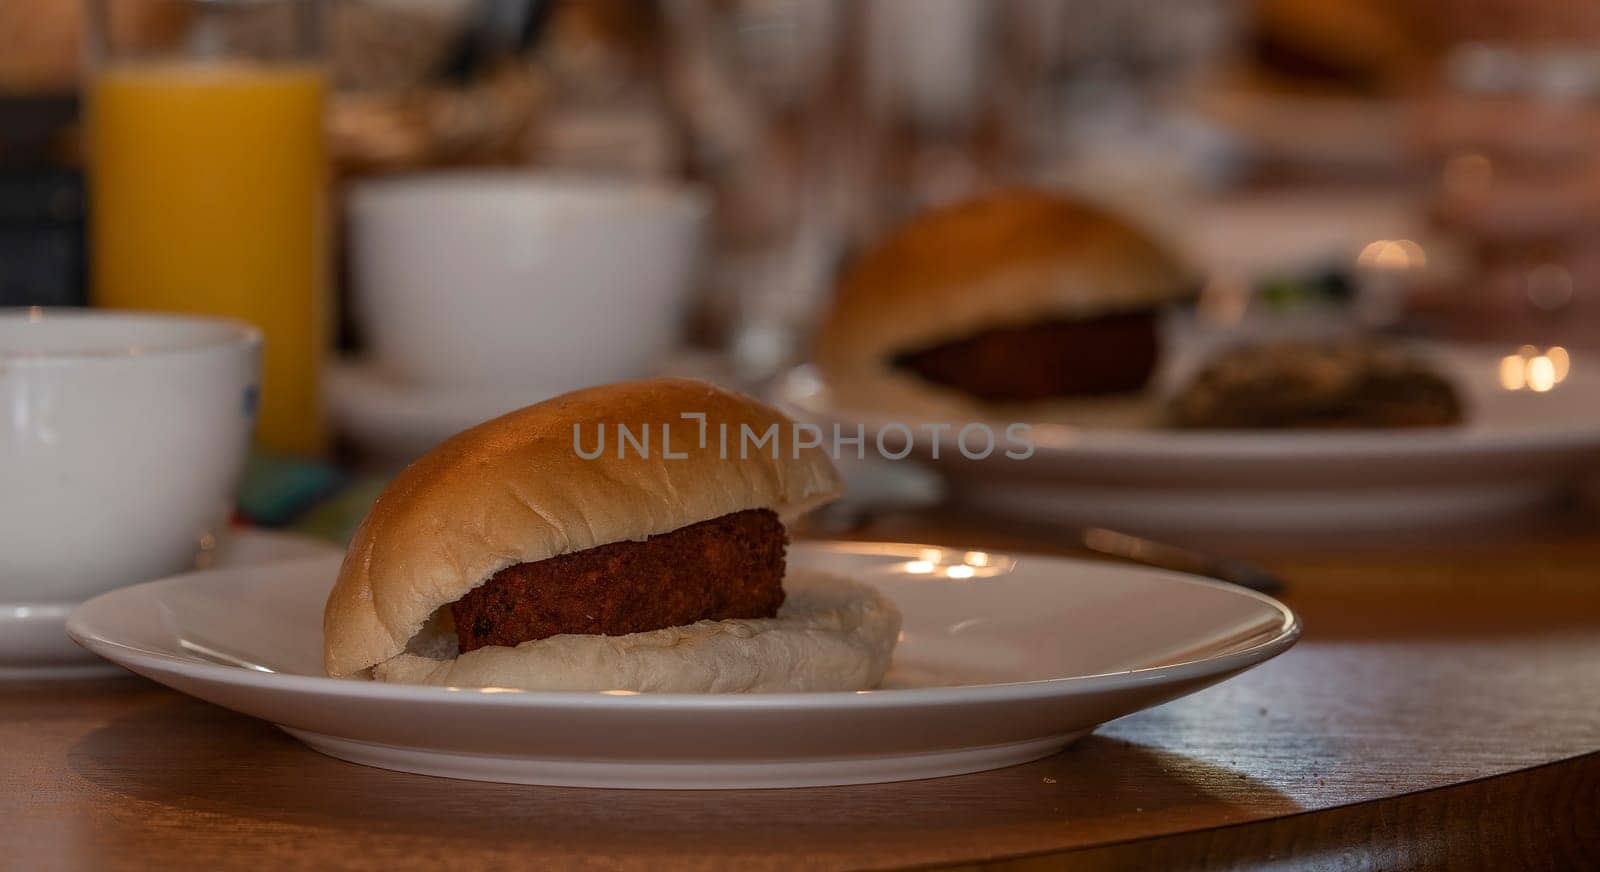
(1339, 134)
(1259, 236)
(1518, 450)
(1004, 659)
(33, 640)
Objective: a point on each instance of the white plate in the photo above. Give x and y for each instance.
(33, 638)
(1517, 450)
(1004, 659)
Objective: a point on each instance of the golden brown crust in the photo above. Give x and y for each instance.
(1007, 259)
(727, 567)
(515, 490)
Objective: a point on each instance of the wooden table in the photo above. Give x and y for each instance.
(1443, 709)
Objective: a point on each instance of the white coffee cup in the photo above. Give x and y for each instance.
(123, 437)
(522, 279)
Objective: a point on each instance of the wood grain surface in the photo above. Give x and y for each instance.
(1443, 709)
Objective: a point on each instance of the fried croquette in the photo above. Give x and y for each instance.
(1108, 355)
(727, 567)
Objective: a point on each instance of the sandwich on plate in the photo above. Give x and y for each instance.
(629, 537)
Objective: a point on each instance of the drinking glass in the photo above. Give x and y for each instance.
(207, 171)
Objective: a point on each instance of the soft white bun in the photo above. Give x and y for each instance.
(831, 634)
(516, 490)
(1005, 259)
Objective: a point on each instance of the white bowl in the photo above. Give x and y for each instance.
(503, 277)
(122, 440)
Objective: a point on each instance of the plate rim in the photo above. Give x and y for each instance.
(1065, 440)
(1287, 633)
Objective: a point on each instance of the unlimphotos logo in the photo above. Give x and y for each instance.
(890, 441)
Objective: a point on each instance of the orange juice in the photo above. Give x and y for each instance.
(207, 188)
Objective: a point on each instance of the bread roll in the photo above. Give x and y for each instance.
(521, 489)
(1012, 258)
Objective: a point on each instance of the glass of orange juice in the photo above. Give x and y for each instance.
(208, 177)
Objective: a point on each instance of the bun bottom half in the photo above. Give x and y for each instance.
(831, 635)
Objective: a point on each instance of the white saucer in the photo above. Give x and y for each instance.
(1003, 659)
(33, 639)
(1518, 450)
(400, 421)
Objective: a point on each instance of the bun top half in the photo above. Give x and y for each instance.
(1010, 258)
(516, 489)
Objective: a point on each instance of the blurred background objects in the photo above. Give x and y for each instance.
(1415, 167)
